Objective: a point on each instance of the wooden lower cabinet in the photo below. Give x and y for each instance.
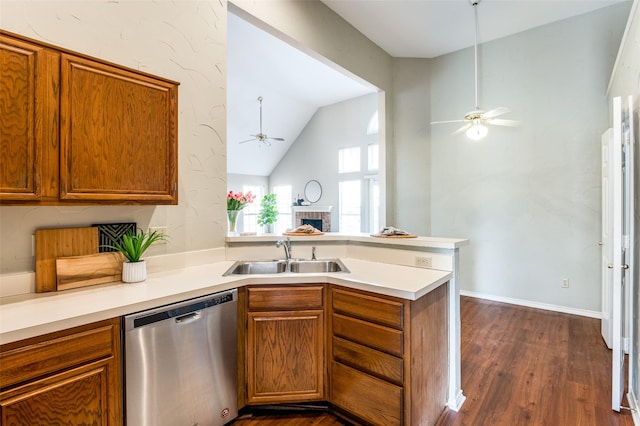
(68, 377)
(285, 344)
(376, 401)
(377, 360)
(389, 356)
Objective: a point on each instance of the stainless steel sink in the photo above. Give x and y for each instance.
(247, 267)
(251, 267)
(311, 266)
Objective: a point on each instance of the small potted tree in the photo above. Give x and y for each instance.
(268, 213)
(132, 246)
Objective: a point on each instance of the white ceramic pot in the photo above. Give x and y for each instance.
(134, 272)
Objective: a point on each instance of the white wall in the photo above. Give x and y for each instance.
(183, 41)
(528, 198)
(411, 105)
(314, 155)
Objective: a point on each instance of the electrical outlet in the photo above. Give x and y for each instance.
(160, 230)
(423, 262)
(565, 283)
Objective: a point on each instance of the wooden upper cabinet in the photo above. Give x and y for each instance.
(118, 134)
(28, 94)
(77, 130)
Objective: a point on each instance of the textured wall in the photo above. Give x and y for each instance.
(180, 40)
(528, 198)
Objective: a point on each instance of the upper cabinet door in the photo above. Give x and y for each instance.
(118, 134)
(28, 118)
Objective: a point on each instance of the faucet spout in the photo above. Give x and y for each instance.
(287, 247)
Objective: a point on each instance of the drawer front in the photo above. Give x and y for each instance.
(374, 336)
(370, 308)
(57, 352)
(369, 398)
(369, 360)
(285, 298)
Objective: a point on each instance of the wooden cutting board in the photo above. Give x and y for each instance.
(82, 271)
(303, 234)
(60, 242)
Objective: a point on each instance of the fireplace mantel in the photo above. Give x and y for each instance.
(312, 208)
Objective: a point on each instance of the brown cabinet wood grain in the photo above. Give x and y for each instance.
(285, 344)
(78, 130)
(391, 368)
(28, 119)
(68, 377)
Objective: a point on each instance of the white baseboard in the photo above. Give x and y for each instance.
(537, 305)
(456, 402)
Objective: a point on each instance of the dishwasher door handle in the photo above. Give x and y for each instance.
(186, 319)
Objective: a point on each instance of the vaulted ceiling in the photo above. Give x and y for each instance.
(294, 85)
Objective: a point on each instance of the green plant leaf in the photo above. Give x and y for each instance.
(134, 245)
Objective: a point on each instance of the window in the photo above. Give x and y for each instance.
(283, 198)
(359, 192)
(374, 204)
(349, 160)
(372, 157)
(349, 195)
(249, 216)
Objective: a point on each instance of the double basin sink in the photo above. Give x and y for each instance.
(249, 267)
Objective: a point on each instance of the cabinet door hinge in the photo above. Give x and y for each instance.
(175, 187)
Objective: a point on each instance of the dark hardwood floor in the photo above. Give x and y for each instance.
(520, 366)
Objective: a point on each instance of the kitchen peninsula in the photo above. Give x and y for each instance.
(382, 279)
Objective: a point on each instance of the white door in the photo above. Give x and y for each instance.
(606, 325)
(622, 226)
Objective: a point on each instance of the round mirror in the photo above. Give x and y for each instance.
(313, 191)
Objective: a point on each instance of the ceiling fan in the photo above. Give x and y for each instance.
(476, 120)
(261, 137)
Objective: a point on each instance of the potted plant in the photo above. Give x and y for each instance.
(132, 246)
(268, 213)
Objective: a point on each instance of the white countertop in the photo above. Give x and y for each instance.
(418, 242)
(34, 314)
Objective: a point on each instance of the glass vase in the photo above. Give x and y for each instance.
(232, 218)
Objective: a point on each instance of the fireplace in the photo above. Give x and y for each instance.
(317, 216)
(316, 223)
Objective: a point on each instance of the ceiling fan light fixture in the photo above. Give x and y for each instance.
(477, 131)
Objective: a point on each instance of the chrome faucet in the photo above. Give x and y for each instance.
(287, 247)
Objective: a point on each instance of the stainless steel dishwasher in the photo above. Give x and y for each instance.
(180, 363)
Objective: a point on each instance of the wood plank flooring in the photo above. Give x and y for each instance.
(520, 366)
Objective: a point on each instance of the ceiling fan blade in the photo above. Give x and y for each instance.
(447, 121)
(462, 129)
(496, 112)
(503, 122)
(249, 140)
(277, 139)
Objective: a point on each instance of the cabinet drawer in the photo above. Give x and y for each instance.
(375, 336)
(32, 358)
(370, 308)
(369, 360)
(285, 298)
(74, 397)
(371, 399)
